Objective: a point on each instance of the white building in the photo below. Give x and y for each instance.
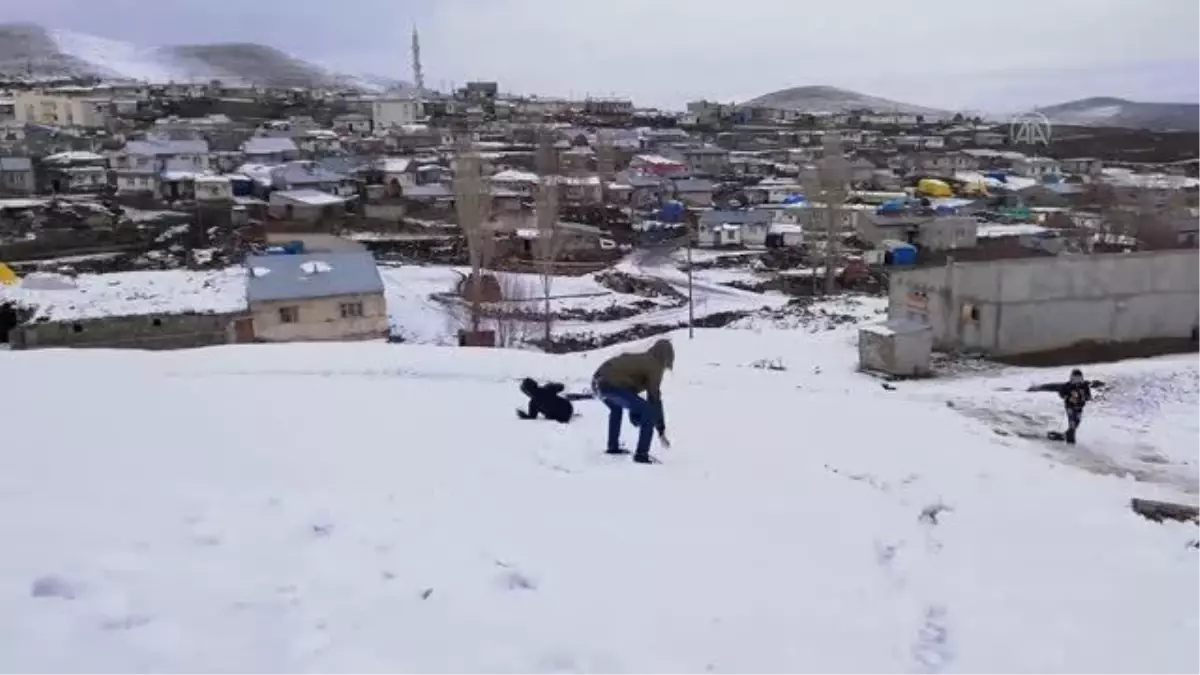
(213, 188)
(32, 107)
(1036, 167)
(141, 165)
(733, 228)
(395, 112)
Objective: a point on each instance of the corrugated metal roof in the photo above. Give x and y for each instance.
(155, 147)
(266, 145)
(303, 173)
(312, 275)
(713, 218)
(15, 164)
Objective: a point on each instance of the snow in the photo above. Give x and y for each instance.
(121, 59)
(1014, 230)
(47, 281)
(71, 156)
(22, 203)
(309, 197)
(135, 293)
(315, 267)
(1136, 425)
(514, 176)
(374, 507)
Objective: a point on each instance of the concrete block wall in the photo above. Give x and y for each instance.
(1011, 307)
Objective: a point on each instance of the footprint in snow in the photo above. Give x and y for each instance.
(931, 650)
(54, 586)
(515, 581)
(125, 622)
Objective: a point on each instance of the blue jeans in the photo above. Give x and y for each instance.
(641, 413)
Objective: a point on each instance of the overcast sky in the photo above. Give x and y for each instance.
(962, 55)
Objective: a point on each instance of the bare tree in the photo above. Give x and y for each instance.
(1153, 217)
(548, 245)
(605, 163)
(827, 184)
(472, 203)
(511, 316)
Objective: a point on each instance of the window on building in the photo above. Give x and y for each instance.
(289, 315)
(352, 310)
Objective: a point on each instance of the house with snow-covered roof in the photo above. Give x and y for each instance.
(316, 297)
(307, 205)
(140, 166)
(75, 171)
(270, 149)
(297, 176)
(16, 176)
(397, 172)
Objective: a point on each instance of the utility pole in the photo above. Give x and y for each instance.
(691, 300)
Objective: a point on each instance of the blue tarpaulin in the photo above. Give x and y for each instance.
(672, 212)
(794, 199)
(903, 254)
(891, 206)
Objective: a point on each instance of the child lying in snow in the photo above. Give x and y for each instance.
(548, 401)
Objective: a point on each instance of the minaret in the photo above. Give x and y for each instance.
(418, 75)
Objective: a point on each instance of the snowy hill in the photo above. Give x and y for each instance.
(31, 51)
(1118, 112)
(821, 98)
(374, 507)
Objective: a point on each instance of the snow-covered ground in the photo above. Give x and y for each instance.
(414, 314)
(134, 293)
(1135, 427)
(374, 507)
(117, 58)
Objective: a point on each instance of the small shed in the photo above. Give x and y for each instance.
(785, 235)
(898, 347)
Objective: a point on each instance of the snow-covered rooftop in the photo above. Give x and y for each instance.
(135, 293)
(514, 176)
(993, 230)
(308, 197)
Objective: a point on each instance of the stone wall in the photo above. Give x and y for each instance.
(151, 331)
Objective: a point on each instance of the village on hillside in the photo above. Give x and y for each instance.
(180, 215)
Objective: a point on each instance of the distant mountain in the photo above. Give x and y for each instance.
(820, 98)
(32, 52)
(1103, 111)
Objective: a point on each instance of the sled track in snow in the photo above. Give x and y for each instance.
(1088, 455)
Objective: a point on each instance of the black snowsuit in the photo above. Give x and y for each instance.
(546, 400)
(1075, 395)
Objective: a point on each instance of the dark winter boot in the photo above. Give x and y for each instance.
(1069, 436)
(644, 458)
(616, 451)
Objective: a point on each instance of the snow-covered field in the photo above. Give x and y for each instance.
(1135, 427)
(373, 507)
(414, 314)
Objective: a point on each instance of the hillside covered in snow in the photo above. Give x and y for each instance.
(29, 51)
(1105, 111)
(376, 507)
